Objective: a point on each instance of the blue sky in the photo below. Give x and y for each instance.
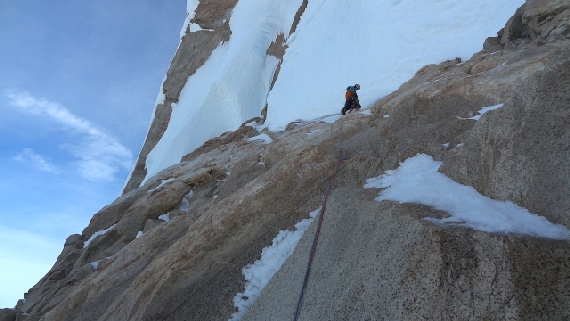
(78, 82)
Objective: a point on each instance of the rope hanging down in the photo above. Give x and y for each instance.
(318, 231)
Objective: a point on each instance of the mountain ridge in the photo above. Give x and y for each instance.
(376, 260)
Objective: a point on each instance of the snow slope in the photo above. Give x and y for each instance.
(417, 181)
(377, 43)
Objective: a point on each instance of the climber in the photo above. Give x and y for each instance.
(351, 99)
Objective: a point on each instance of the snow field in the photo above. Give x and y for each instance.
(377, 43)
(418, 181)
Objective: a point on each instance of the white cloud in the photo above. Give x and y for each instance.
(37, 161)
(100, 154)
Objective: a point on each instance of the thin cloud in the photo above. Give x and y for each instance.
(37, 161)
(100, 154)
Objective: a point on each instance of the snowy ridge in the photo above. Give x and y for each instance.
(230, 87)
(336, 44)
(191, 6)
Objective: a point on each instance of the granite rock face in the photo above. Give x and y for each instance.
(407, 269)
(174, 248)
(548, 21)
(505, 154)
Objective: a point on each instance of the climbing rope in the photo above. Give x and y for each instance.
(321, 217)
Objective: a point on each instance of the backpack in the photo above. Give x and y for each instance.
(349, 92)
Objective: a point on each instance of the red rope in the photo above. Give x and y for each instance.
(318, 231)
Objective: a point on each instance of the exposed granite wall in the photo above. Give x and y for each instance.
(375, 260)
(378, 261)
(520, 152)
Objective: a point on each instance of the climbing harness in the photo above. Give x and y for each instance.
(321, 216)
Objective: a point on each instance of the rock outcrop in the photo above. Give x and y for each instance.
(174, 248)
(194, 49)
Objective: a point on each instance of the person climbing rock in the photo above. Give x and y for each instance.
(351, 99)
